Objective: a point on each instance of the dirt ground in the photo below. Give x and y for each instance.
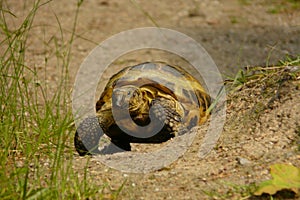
(236, 34)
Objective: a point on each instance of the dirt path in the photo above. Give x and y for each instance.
(236, 34)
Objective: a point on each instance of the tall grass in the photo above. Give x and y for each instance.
(36, 128)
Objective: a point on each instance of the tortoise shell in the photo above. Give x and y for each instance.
(179, 93)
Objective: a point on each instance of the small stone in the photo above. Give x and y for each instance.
(243, 161)
(19, 164)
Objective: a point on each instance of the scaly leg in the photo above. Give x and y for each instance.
(166, 108)
(87, 136)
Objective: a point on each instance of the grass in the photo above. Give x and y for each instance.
(233, 191)
(275, 6)
(267, 75)
(282, 6)
(36, 155)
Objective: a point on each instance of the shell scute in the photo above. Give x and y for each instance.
(156, 80)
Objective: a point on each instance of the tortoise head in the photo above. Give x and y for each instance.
(128, 97)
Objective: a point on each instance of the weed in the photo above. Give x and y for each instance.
(276, 7)
(35, 126)
(234, 191)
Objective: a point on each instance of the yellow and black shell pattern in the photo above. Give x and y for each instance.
(184, 100)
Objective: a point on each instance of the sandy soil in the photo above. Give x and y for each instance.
(236, 34)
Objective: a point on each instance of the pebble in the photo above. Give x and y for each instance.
(243, 161)
(19, 164)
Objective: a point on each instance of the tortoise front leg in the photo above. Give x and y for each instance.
(90, 131)
(165, 109)
(87, 136)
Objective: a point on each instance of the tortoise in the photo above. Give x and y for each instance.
(136, 97)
